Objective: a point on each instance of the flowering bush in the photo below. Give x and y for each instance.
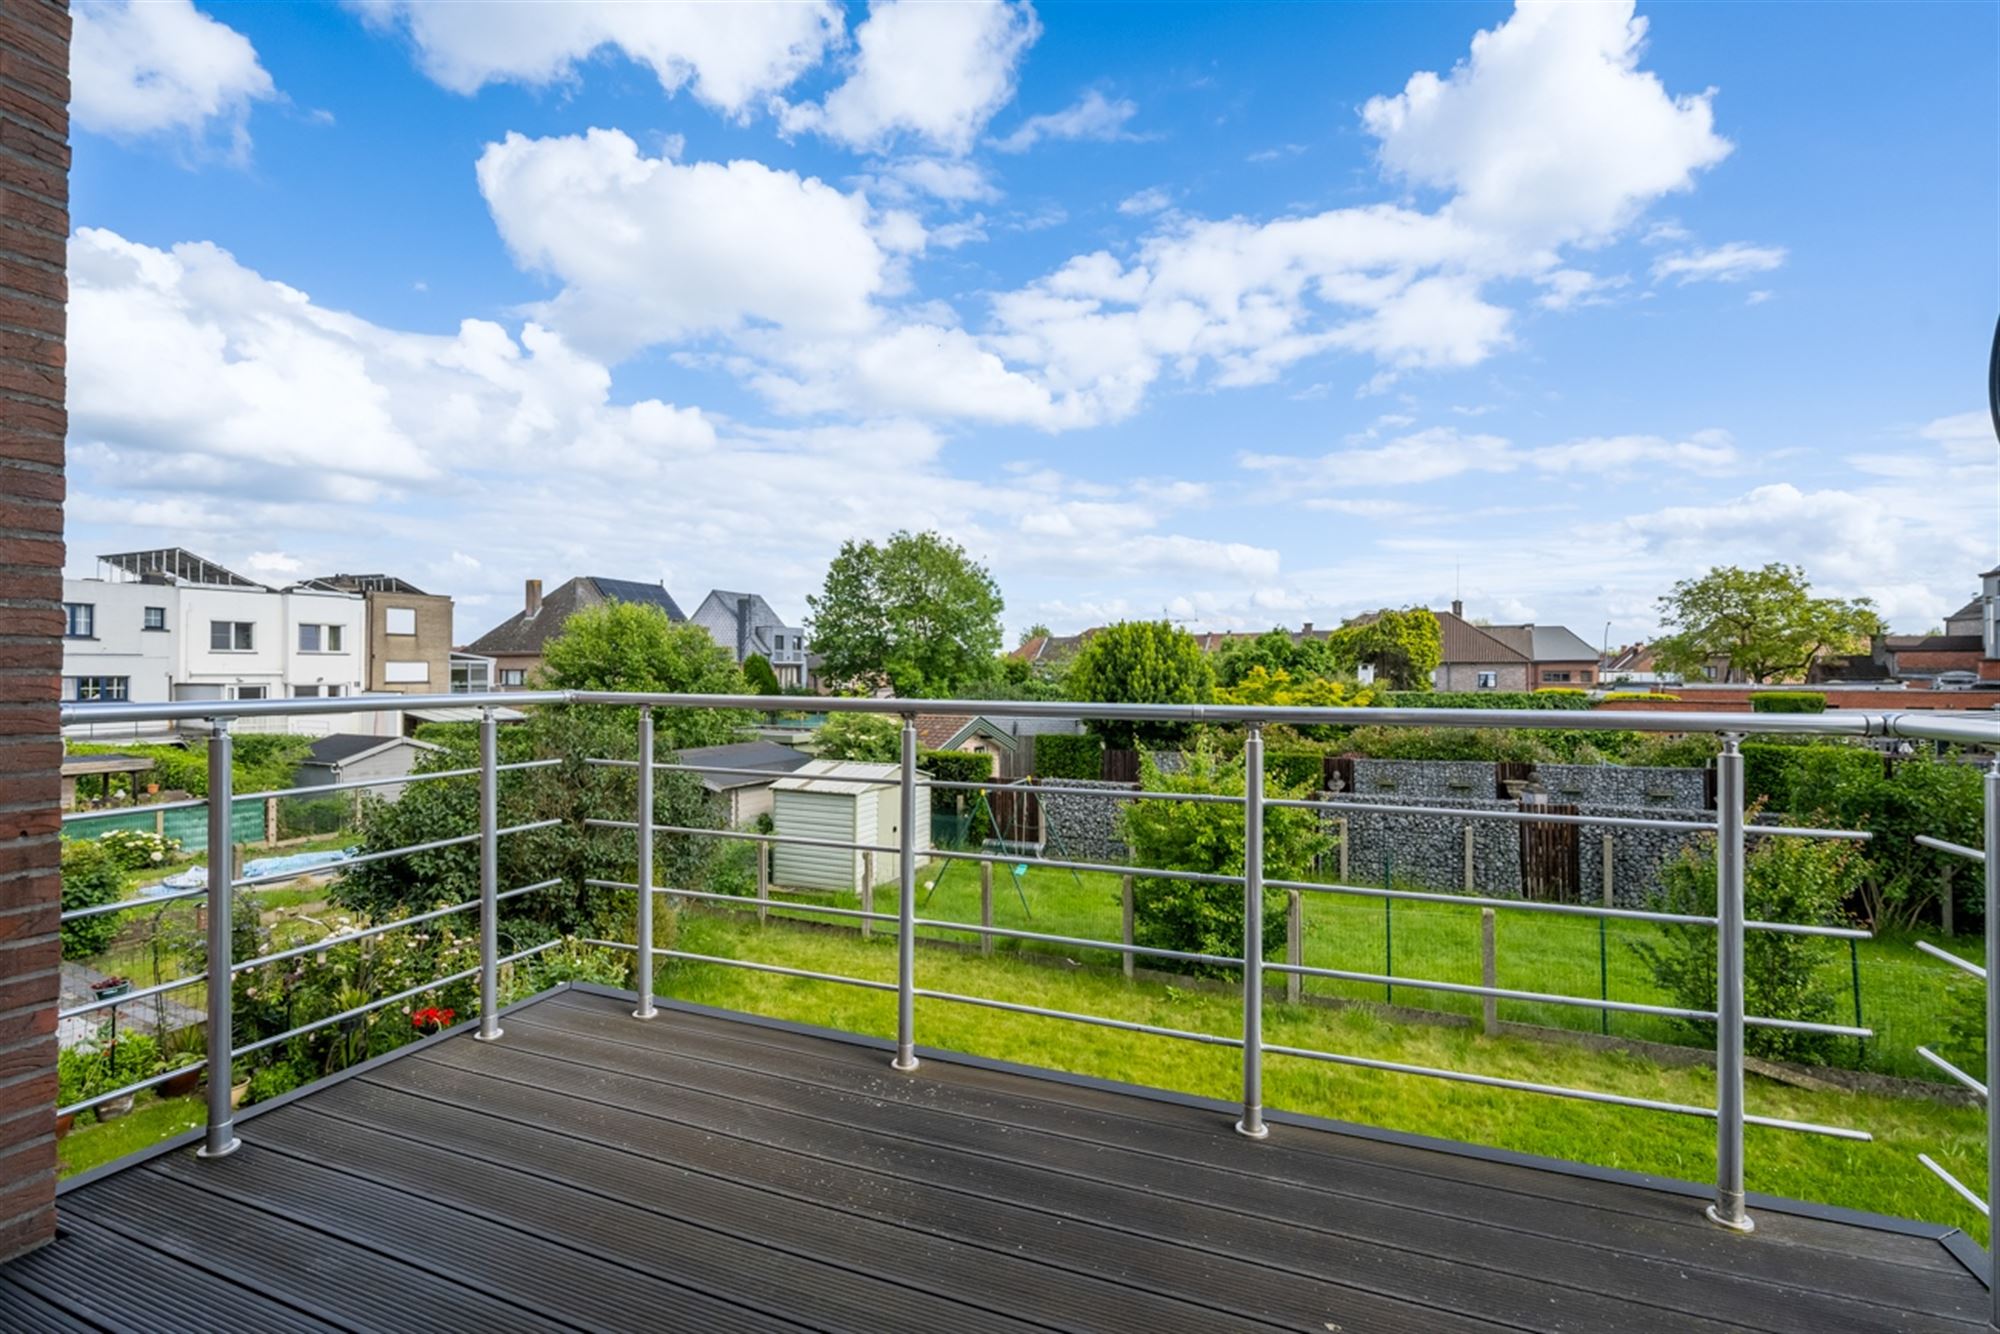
(432, 1018)
(136, 849)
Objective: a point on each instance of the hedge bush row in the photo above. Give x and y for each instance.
(1788, 701)
(1061, 756)
(1556, 698)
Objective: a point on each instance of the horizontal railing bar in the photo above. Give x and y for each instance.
(1565, 909)
(117, 1093)
(1497, 993)
(517, 765)
(349, 937)
(1964, 1191)
(1099, 1021)
(348, 785)
(374, 1005)
(1808, 1026)
(1952, 1070)
(1955, 849)
(1113, 793)
(806, 973)
(1082, 942)
(1107, 868)
(278, 877)
(134, 904)
(746, 904)
(1926, 947)
(146, 808)
(1528, 815)
(1559, 1091)
(111, 1002)
(1926, 725)
(746, 836)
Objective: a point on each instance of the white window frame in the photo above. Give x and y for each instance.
(399, 616)
(1489, 680)
(244, 643)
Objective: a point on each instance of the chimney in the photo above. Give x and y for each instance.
(1307, 631)
(1458, 609)
(534, 597)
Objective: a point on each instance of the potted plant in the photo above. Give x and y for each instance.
(107, 987)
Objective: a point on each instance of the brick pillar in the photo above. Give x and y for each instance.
(34, 224)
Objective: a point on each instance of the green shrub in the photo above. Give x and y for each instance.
(1787, 701)
(1294, 767)
(1797, 880)
(1207, 837)
(1543, 693)
(1450, 743)
(875, 738)
(1482, 699)
(97, 1066)
(138, 849)
(1058, 756)
(90, 879)
(959, 766)
(757, 671)
(177, 767)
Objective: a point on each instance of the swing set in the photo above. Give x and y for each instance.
(1006, 841)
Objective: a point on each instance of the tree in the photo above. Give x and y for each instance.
(1316, 692)
(1765, 624)
(1271, 652)
(915, 612)
(757, 671)
(633, 646)
(1036, 631)
(874, 738)
(1141, 662)
(1404, 647)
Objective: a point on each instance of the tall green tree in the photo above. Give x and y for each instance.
(1404, 647)
(633, 646)
(1141, 662)
(1765, 624)
(915, 613)
(876, 738)
(1039, 630)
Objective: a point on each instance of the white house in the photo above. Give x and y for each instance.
(744, 623)
(167, 625)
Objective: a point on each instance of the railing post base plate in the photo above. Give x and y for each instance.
(1743, 1224)
(650, 1012)
(1248, 1131)
(904, 1064)
(205, 1152)
(494, 1036)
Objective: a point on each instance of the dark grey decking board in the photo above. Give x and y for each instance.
(590, 1171)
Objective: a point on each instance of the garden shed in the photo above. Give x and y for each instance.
(847, 802)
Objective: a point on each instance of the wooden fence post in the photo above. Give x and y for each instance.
(763, 884)
(160, 824)
(1340, 825)
(270, 819)
(986, 906)
(1295, 943)
(1489, 969)
(867, 892)
(1470, 879)
(1125, 931)
(1610, 860)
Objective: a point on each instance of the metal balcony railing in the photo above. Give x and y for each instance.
(1731, 829)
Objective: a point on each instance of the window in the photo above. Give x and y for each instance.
(232, 637)
(778, 642)
(308, 639)
(469, 676)
(1489, 680)
(156, 618)
(406, 673)
(400, 620)
(513, 676)
(1555, 677)
(315, 692)
(319, 638)
(80, 620)
(90, 688)
(251, 692)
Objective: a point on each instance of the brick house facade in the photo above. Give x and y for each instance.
(34, 227)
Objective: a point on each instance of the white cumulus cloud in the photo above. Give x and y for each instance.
(1092, 116)
(163, 67)
(1729, 263)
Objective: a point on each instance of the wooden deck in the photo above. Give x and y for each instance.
(593, 1172)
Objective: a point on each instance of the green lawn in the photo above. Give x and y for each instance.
(1901, 990)
(1882, 1176)
(151, 1120)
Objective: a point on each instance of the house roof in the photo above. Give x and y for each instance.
(935, 731)
(524, 634)
(837, 776)
(1463, 642)
(939, 731)
(1556, 643)
(1934, 643)
(779, 759)
(1973, 610)
(364, 583)
(181, 566)
(338, 748)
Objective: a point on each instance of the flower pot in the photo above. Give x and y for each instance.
(105, 991)
(64, 1121)
(237, 1093)
(180, 1084)
(116, 1107)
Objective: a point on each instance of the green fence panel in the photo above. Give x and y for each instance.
(186, 824)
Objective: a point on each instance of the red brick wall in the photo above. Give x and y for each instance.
(34, 223)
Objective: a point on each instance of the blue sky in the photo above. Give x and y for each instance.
(1241, 315)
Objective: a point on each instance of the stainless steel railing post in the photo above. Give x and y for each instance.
(489, 876)
(1729, 865)
(221, 1137)
(1992, 876)
(1252, 1123)
(644, 958)
(906, 904)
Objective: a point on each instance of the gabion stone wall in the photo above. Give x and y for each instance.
(1084, 828)
(1617, 785)
(1429, 850)
(1636, 854)
(1422, 780)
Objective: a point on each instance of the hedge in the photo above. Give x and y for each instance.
(1484, 699)
(955, 766)
(1788, 701)
(1058, 755)
(1770, 766)
(1293, 768)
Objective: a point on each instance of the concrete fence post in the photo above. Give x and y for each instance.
(1489, 969)
(1471, 881)
(1340, 832)
(763, 884)
(867, 892)
(1610, 868)
(986, 906)
(1126, 914)
(270, 819)
(1295, 944)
